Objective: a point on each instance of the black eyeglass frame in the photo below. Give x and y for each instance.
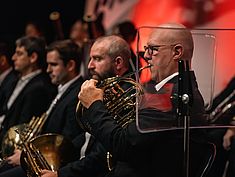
(155, 48)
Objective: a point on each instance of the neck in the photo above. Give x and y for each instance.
(164, 74)
(69, 78)
(3, 69)
(122, 72)
(28, 71)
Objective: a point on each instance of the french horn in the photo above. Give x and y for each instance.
(119, 98)
(120, 95)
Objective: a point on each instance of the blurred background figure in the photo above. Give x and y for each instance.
(78, 33)
(33, 29)
(5, 61)
(127, 31)
(83, 33)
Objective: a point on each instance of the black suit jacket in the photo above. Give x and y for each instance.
(148, 154)
(6, 89)
(62, 119)
(33, 100)
(93, 164)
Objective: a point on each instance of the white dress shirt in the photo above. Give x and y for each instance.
(164, 81)
(19, 87)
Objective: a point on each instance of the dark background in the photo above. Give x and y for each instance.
(14, 14)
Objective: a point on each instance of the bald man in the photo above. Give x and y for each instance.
(158, 154)
(165, 47)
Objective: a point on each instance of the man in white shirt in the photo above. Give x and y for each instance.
(32, 92)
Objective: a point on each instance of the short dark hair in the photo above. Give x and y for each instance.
(68, 50)
(34, 44)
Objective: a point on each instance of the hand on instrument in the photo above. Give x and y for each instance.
(48, 173)
(15, 158)
(227, 138)
(90, 93)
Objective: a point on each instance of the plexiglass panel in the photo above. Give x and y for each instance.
(210, 71)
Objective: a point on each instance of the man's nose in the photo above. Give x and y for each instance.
(147, 56)
(13, 57)
(48, 69)
(91, 65)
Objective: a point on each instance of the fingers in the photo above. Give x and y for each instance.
(87, 84)
(48, 173)
(227, 138)
(15, 158)
(91, 82)
(226, 143)
(44, 172)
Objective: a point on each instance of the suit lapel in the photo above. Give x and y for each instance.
(76, 84)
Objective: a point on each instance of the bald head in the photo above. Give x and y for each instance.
(116, 46)
(173, 33)
(109, 57)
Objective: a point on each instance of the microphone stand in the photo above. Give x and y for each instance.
(184, 101)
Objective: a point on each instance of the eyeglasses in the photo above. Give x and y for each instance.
(153, 50)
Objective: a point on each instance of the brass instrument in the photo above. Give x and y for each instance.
(223, 110)
(120, 94)
(48, 151)
(120, 101)
(18, 134)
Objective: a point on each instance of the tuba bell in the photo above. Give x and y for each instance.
(48, 151)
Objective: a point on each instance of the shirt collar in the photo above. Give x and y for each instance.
(5, 73)
(164, 81)
(31, 75)
(62, 88)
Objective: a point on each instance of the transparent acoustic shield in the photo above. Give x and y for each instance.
(169, 103)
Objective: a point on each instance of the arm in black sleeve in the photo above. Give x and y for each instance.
(93, 164)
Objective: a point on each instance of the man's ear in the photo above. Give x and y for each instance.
(119, 62)
(71, 65)
(3, 60)
(178, 51)
(34, 57)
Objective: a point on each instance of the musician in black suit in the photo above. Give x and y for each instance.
(31, 93)
(64, 59)
(151, 154)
